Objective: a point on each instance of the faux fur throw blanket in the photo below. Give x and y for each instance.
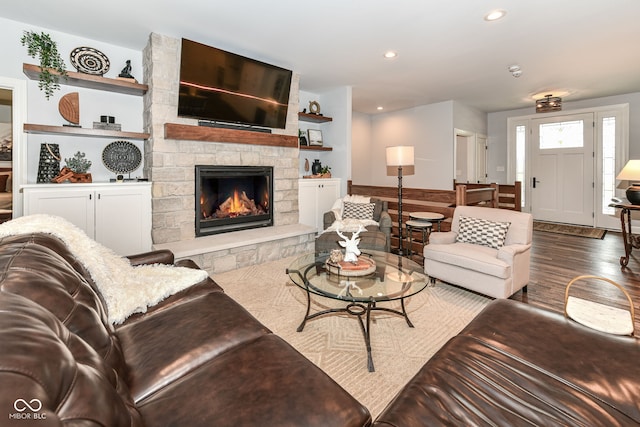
(126, 289)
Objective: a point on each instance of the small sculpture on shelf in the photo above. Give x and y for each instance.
(126, 72)
(75, 170)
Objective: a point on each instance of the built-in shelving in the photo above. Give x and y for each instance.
(89, 81)
(315, 118)
(76, 131)
(211, 134)
(315, 148)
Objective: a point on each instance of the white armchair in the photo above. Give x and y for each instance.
(465, 257)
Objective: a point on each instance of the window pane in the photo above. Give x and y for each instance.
(608, 163)
(561, 135)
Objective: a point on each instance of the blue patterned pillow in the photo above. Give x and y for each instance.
(482, 232)
(358, 210)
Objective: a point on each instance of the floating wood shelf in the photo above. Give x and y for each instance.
(315, 118)
(315, 148)
(75, 131)
(90, 81)
(211, 134)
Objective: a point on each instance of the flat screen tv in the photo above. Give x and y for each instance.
(221, 86)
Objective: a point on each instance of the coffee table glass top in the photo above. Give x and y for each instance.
(394, 278)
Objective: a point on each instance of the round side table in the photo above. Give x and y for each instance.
(427, 216)
(424, 226)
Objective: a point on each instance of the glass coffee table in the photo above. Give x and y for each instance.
(389, 277)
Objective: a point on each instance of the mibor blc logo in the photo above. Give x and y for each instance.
(27, 410)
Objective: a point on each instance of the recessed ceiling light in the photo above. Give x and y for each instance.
(494, 15)
(380, 108)
(390, 54)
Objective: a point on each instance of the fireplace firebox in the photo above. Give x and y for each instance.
(231, 198)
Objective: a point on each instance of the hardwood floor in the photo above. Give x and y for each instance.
(557, 258)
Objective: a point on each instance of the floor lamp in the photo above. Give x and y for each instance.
(400, 156)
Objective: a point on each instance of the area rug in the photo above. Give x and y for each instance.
(571, 230)
(335, 342)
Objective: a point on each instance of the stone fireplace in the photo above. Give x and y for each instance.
(170, 165)
(231, 198)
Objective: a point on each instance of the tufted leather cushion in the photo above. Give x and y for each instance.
(39, 267)
(43, 360)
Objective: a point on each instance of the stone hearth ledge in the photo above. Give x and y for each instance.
(228, 251)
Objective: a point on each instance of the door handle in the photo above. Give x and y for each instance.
(535, 181)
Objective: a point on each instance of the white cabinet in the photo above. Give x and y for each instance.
(315, 197)
(117, 215)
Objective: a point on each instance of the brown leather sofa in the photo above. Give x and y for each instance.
(196, 359)
(517, 365)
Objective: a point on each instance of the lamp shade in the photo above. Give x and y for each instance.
(631, 172)
(400, 155)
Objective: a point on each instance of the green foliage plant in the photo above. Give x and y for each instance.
(78, 163)
(46, 50)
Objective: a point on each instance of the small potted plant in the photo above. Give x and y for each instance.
(325, 172)
(42, 46)
(79, 165)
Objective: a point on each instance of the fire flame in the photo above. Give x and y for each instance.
(238, 205)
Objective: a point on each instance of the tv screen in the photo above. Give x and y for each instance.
(225, 87)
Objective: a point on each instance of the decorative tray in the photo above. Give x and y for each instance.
(363, 267)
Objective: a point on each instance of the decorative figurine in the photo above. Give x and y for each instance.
(126, 71)
(335, 256)
(350, 246)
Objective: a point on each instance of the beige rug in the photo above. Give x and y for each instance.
(335, 342)
(571, 230)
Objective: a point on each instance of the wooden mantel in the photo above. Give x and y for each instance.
(205, 133)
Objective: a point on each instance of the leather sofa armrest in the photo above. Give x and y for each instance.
(328, 219)
(162, 256)
(442, 237)
(508, 253)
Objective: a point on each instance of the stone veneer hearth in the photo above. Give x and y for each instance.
(169, 164)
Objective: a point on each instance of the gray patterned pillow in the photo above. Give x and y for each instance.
(482, 232)
(358, 210)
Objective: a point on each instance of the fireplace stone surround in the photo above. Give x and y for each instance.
(170, 165)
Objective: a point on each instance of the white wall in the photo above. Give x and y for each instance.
(126, 109)
(361, 140)
(429, 128)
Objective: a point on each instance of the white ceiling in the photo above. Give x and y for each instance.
(447, 51)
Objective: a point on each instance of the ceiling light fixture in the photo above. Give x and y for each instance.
(380, 108)
(549, 103)
(494, 15)
(390, 54)
(515, 70)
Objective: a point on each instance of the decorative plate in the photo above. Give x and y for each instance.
(89, 61)
(121, 157)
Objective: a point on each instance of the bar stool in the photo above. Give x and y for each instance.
(424, 226)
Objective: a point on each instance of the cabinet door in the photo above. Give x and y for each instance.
(328, 193)
(123, 219)
(307, 203)
(73, 204)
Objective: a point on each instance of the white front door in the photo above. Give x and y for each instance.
(563, 169)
